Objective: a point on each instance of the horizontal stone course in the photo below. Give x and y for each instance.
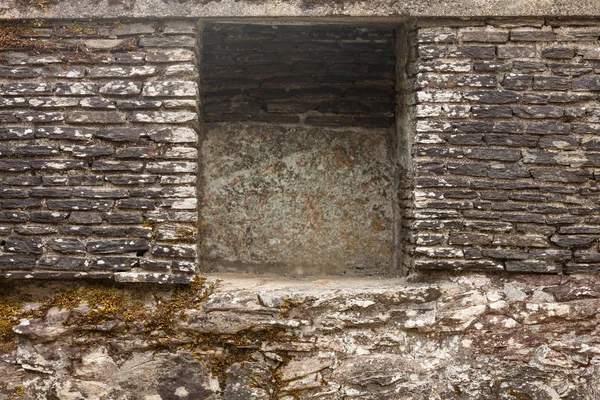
(301, 74)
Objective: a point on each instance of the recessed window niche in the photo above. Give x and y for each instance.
(298, 160)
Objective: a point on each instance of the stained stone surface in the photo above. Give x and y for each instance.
(321, 74)
(91, 160)
(302, 8)
(296, 200)
(505, 150)
(458, 337)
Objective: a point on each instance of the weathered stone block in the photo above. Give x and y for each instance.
(551, 83)
(126, 179)
(532, 36)
(138, 104)
(45, 217)
(485, 36)
(517, 82)
(17, 261)
(529, 67)
(121, 88)
(58, 164)
(560, 175)
(96, 117)
(511, 51)
(34, 230)
(538, 111)
(170, 55)
(574, 241)
(122, 218)
(469, 239)
(558, 53)
(536, 266)
(26, 88)
(38, 116)
(114, 263)
(65, 133)
(117, 246)
(156, 41)
(84, 218)
(490, 66)
(493, 96)
(171, 167)
(27, 245)
(53, 102)
(494, 154)
(137, 204)
(165, 117)
(121, 72)
(170, 89)
(174, 135)
(437, 35)
(281, 239)
(132, 166)
(76, 89)
(67, 245)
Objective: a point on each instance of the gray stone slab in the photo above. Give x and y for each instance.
(296, 200)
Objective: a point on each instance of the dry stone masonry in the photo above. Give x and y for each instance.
(98, 150)
(486, 129)
(451, 338)
(460, 152)
(506, 149)
(328, 75)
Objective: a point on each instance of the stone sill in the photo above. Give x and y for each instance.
(324, 285)
(321, 284)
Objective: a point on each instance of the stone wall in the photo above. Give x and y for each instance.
(98, 150)
(328, 75)
(506, 149)
(494, 150)
(493, 160)
(450, 337)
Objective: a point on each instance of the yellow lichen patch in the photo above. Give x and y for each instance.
(287, 307)
(183, 298)
(128, 45)
(118, 311)
(96, 305)
(232, 348)
(186, 233)
(37, 3)
(11, 393)
(105, 305)
(11, 38)
(10, 314)
(82, 30)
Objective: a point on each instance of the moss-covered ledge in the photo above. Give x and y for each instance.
(230, 337)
